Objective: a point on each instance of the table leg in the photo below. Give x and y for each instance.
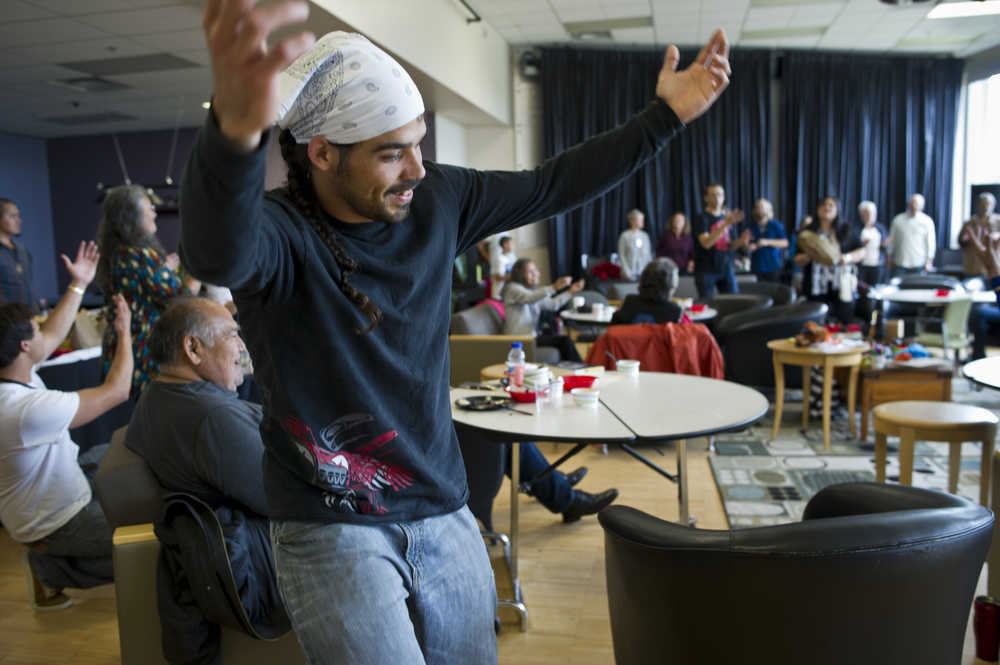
(866, 408)
(779, 394)
(682, 482)
(806, 371)
(986, 470)
(515, 580)
(852, 398)
(954, 465)
(827, 395)
(906, 440)
(881, 454)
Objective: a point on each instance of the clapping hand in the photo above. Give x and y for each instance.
(734, 217)
(245, 69)
(576, 286)
(987, 246)
(83, 269)
(123, 316)
(562, 283)
(691, 91)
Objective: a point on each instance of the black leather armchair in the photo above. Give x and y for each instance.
(743, 338)
(731, 303)
(874, 574)
(780, 294)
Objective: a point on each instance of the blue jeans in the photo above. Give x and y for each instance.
(980, 320)
(706, 282)
(553, 491)
(407, 592)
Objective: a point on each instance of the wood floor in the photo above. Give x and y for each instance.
(562, 574)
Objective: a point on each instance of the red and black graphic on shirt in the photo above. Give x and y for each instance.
(353, 481)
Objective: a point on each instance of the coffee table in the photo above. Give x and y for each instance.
(929, 296)
(984, 372)
(603, 319)
(787, 353)
(648, 407)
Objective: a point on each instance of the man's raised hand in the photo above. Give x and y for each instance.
(691, 91)
(245, 69)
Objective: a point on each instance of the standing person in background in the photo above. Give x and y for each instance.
(15, 260)
(501, 265)
(715, 244)
(134, 263)
(677, 244)
(912, 241)
(793, 272)
(767, 239)
(634, 248)
(972, 263)
(872, 237)
(820, 278)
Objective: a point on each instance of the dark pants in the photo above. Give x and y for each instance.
(707, 282)
(567, 349)
(870, 275)
(773, 276)
(840, 311)
(980, 321)
(77, 554)
(553, 491)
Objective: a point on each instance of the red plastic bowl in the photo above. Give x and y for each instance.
(521, 395)
(698, 308)
(942, 292)
(577, 381)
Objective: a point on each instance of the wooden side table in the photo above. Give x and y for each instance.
(787, 353)
(935, 421)
(892, 384)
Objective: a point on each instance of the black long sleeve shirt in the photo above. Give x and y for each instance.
(357, 428)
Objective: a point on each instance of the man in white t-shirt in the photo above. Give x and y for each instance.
(912, 241)
(45, 498)
(500, 265)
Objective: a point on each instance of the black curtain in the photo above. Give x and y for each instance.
(587, 91)
(868, 128)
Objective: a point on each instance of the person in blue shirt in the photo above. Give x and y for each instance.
(767, 239)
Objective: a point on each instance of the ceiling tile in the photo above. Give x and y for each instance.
(15, 10)
(174, 41)
(146, 21)
(48, 31)
(634, 35)
(570, 14)
(110, 47)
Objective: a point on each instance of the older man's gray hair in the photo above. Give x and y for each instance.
(868, 205)
(183, 316)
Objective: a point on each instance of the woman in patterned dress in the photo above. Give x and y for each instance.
(134, 263)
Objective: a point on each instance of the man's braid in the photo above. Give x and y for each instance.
(304, 197)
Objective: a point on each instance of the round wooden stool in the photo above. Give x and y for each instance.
(935, 421)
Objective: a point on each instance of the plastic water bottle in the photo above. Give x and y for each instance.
(515, 365)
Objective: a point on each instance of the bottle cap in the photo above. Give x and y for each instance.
(515, 345)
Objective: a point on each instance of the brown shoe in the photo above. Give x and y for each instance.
(40, 597)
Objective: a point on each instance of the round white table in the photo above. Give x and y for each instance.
(705, 314)
(602, 319)
(929, 296)
(985, 372)
(648, 407)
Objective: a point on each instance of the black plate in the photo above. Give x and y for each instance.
(483, 402)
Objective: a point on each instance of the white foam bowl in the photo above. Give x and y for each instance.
(627, 366)
(585, 396)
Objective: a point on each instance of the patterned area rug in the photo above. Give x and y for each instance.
(763, 482)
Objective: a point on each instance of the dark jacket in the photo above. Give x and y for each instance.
(661, 311)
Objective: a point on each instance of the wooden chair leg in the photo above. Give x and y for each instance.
(906, 440)
(881, 455)
(779, 395)
(986, 470)
(954, 465)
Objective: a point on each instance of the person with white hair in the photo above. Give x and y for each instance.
(343, 284)
(984, 218)
(912, 241)
(767, 239)
(873, 238)
(635, 250)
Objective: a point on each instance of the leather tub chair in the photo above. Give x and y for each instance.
(874, 575)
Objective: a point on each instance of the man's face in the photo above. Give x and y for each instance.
(985, 206)
(867, 215)
(10, 220)
(221, 363)
(531, 274)
(36, 349)
(715, 197)
(147, 222)
(762, 210)
(916, 204)
(506, 245)
(376, 178)
(637, 222)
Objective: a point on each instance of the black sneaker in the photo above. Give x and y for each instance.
(585, 503)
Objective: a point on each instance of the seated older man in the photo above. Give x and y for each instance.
(189, 425)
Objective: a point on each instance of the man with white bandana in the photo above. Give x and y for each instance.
(342, 280)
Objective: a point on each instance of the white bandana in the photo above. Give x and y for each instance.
(347, 90)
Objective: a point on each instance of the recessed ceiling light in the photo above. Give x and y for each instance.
(206, 105)
(964, 9)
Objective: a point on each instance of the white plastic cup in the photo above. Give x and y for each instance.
(630, 367)
(578, 302)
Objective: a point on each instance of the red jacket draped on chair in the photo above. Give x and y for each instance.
(680, 348)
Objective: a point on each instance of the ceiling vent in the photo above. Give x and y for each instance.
(89, 84)
(139, 64)
(591, 30)
(89, 118)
